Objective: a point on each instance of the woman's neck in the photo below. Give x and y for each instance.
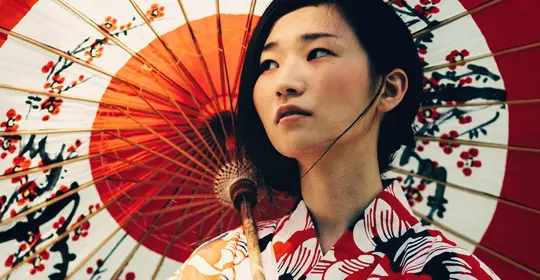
(338, 188)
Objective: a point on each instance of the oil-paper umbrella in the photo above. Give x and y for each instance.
(118, 118)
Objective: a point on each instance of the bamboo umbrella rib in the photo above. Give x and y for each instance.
(171, 159)
(53, 241)
(68, 131)
(187, 216)
(461, 188)
(479, 57)
(479, 8)
(481, 246)
(206, 217)
(198, 134)
(64, 235)
(215, 104)
(60, 197)
(109, 236)
(478, 144)
(224, 70)
(179, 207)
(199, 53)
(148, 232)
(188, 178)
(166, 252)
(81, 99)
(80, 62)
(131, 52)
(181, 68)
(25, 172)
(219, 221)
(114, 179)
(243, 47)
(96, 249)
(487, 103)
(174, 146)
(174, 197)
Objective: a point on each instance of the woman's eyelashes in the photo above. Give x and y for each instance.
(314, 54)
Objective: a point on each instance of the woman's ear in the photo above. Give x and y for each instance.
(396, 85)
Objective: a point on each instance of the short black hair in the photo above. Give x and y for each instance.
(389, 45)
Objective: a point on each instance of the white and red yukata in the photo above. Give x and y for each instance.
(386, 242)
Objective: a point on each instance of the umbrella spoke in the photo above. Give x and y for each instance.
(219, 222)
(479, 57)
(166, 252)
(128, 82)
(172, 159)
(479, 144)
(243, 46)
(224, 70)
(481, 246)
(122, 104)
(31, 170)
(71, 229)
(202, 220)
(184, 217)
(131, 52)
(174, 197)
(168, 141)
(487, 103)
(179, 207)
(432, 28)
(153, 183)
(215, 104)
(67, 194)
(461, 188)
(68, 131)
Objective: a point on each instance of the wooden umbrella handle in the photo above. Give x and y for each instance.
(254, 252)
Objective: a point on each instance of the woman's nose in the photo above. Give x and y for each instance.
(291, 80)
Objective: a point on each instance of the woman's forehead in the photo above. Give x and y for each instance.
(309, 20)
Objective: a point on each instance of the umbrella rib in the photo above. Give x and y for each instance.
(174, 146)
(106, 240)
(432, 28)
(82, 63)
(169, 158)
(151, 183)
(481, 246)
(166, 252)
(478, 144)
(224, 70)
(180, 67)
(179, 207)
(243, 47)
(461, 188)
(206, 217)
(173, 197)
(127, 49)
(499, 53)
(25, 172)
(220, 221)
(62, 236)
(197, 132)
(67, 131)
(60, 197)
(148, 232)
(206, 73)
(76, 98)
(487, 103)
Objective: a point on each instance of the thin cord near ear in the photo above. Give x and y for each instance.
(379, 92)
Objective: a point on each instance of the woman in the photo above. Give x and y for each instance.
(328, 94)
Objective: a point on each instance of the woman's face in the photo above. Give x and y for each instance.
(313, 60)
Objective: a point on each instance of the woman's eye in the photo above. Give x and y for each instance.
(316, 53)
(267, 65)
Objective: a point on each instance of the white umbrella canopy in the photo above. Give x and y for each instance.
(118, 116)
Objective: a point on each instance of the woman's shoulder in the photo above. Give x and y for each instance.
(225, 253)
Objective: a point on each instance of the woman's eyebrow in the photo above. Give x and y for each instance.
(302, 38)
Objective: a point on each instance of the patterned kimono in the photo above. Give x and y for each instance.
(386, 242)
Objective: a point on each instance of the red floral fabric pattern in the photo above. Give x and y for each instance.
(387, 242)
